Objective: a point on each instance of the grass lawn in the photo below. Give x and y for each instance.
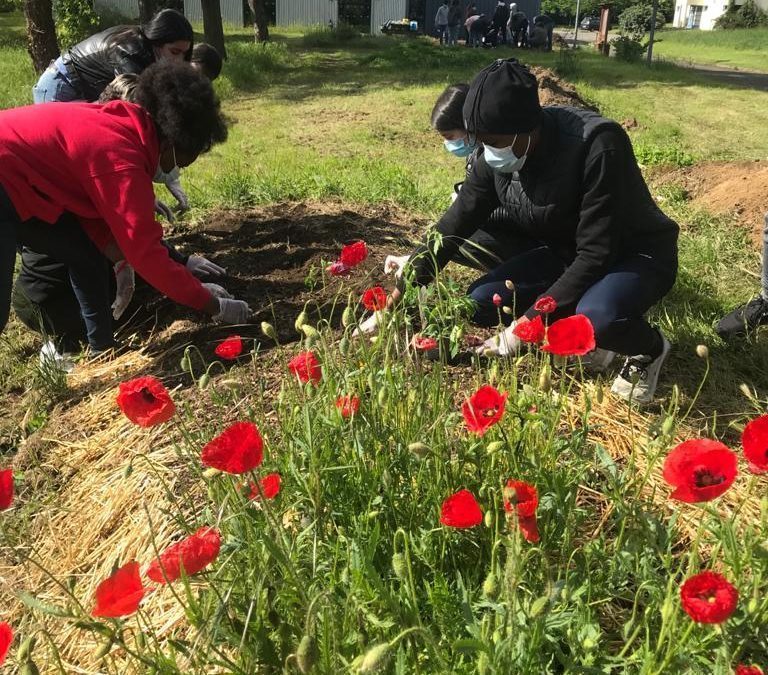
(348, 568)
(744, 48)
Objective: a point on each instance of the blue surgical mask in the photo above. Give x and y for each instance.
(459, 147)
(504, 160)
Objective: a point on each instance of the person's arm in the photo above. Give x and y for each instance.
(598, 230)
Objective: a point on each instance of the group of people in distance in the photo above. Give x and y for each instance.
(553, 205)
(507, 26)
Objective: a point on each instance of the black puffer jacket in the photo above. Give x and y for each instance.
(581, 193)
(93, 63)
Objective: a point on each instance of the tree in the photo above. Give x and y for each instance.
(212, 27)
(41, 33)
(260, 20)
(147, 9)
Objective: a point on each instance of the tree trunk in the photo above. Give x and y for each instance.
(260, 20)
(41, 33)
(147, 9)
(212, 27)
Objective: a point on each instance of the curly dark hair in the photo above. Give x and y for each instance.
(183, 106)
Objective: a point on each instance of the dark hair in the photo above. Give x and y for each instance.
(166, 26)
(209, 59)
(447, 115)
(183, 106)
(122, 88)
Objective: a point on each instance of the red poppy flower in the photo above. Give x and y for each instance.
(306, 367)
(120, 594)
(375, 299)
(497, 300)
(546, 304)
(423, 344)
(6, 488)
(531, 331)
(338, 269)
(270, 486)
(353, 254)
(6, 638)
(461, 510)
(700, 470)
(145, 401)
(755, 442)
(708, 597)
(741, 669)
(572, 336)
(230, 349)
(483, 409)
(522, 499)
(194, 553)
(237, 450)
(348, 405)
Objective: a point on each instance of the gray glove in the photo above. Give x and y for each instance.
(174, 187)
(164, 210)
(232, 311)
(218, 291)
(202, 267)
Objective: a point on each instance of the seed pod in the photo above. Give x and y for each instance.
(307, 654)
(348, 316)
(421, 450)
(494, 446)
(507, 310)
(25, 649)
(488, 518)
(399, 566)
(301, 319)
(510, 286)
(186, 362)
(269, 330)
(545, 379)
(491, 586)
(382, 397)
(309, 331)
(599, 395)
(344, 345)
(102, 651)
(702, 351)
(375, 659)
(29, 668)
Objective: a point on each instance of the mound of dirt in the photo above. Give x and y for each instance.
(738, 190)
(554, 91)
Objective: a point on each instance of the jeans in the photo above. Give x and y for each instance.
(475, 38)
(57, 318)
(453, 34)
(615, 304)
(65, 241)
(53, 86)
(442, 32)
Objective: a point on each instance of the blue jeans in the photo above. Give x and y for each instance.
(453, 35)
(442, 33)
(615, 304)
(66, 242)
(53, 86)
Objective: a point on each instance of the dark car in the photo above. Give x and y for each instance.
(590, 23)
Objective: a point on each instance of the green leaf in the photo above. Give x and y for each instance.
(467, 645)
(46, 608)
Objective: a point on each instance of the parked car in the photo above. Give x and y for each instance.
(590, 23)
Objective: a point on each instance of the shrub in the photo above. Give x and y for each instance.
(628, 48)
(748, 15)
(328, 37)
(75, 21)
(636, 21)
(10, 6)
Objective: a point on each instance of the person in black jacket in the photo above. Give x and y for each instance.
(82, 72)
(500, 18)
(596, 241)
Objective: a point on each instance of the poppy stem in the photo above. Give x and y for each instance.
(675, 645)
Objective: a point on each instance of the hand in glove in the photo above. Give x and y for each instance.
(174, 187)
(395, 263)
(218, 291)
(164, 210)
(370, 326)
(505, 343)
(126, 284)
(202, 267)
(232, 311)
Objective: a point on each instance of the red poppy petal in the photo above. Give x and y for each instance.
(375, 299)
(6, 489)
(708, 597)
(545, 305)
(230, 348)
(572, 336)
(483, 409)
(120, 594)
(530, 528)
(338, 269)
(754, 439)
(6, 638)
(353, 254)
(270, 486)
(532, 331)
(145, 401)
(238, 449)
(423, 344)
(306, 367)
(193, 554)
(741, 669)
(461, 510)
(700, 470)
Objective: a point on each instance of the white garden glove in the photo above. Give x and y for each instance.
(370, 326)
(174, 187)
(202, 267)
(126, 284)
(395, 263)
(218, 291)
(164, 210)
(232, 311)
(501, 344)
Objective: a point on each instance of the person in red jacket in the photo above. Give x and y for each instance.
(79, 184)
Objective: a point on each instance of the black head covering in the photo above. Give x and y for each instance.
(503, 98)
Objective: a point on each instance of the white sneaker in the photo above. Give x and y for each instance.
(598, 360)
(638, 377)
(50, 358)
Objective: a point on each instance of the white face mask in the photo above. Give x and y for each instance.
(504, 160)
(169, 176)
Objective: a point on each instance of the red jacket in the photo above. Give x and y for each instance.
(97, 162)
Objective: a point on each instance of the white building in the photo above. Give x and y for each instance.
(703, 13)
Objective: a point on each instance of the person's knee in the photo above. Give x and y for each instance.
(602, 317)
(486, 313)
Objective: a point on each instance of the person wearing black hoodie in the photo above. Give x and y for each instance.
(597, 243)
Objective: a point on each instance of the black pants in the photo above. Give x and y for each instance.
(65, 241)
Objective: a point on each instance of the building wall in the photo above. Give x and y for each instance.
(307, 12)
(386, 10)
(232, 11)
(707, 11)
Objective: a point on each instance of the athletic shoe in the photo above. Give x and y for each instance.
(638, 377)
(51, 358)
(598, 360)
(744, 319)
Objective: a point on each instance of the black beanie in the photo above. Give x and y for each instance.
(503, 98)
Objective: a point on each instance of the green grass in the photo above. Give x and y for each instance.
(743, 48)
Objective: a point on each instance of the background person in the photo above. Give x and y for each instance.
(441, 22)
(500, 18)
(518, 28)
(207, 60)
(454, 22)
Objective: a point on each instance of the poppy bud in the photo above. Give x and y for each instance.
(371, 381)
(344, 345)
(495, 446)
(507, 310)
(204, 380)
(307, 654)
(493, 372)
(25, 649)
(702, 351)
(599, 395)
(482, 663)
(589, 644)
(309, 331)
(301, 319)
(269, 330)
(29, 668)
(752, 605)
(510, 286)
(386, 478)
(211, 472)
(668, 425)
(348, 316)
(488, 517)
(545, 379)
(399, 566)
(102, 651)
(382, 397)
(497, 300)
(491, 586)
(421, 450)
(186, 362)
(457, 332)
(375, 659)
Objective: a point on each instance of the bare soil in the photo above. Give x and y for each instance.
(554, 91)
